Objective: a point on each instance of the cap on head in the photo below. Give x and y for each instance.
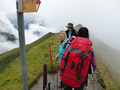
(69, 25)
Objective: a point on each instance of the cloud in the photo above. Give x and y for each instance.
(7, 6)
(36, 29)
(31, 34)
(6, 45)
(102, 17)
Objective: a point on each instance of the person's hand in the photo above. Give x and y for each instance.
(57, 56)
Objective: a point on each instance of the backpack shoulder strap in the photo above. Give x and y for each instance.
(66, 43)
(66, 59)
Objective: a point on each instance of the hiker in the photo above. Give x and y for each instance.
(71, 67)
(63, 45)
(62, 48)
(92, 68)
(70, 31)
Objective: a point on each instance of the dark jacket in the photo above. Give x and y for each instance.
(73, 33)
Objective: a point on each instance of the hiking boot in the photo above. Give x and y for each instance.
(61, 84)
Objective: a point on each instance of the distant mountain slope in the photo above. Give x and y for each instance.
(8, 36)
(110, 59)
(110, 54)
(78, 27)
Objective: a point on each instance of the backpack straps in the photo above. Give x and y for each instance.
(68, 41)
(66, 59)
(77, 51)
(65, 45)
(82, 65)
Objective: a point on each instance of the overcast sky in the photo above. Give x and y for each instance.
(101, 17)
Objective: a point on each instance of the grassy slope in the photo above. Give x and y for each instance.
(106, 74)
(10, 74)
(8, 57)
(10, 68)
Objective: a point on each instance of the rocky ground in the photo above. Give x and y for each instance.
(52, 78)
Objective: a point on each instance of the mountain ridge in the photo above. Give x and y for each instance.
(10, 62)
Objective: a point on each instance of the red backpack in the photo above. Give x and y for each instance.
(76, 61)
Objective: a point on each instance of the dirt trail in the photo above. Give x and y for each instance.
(52, 78)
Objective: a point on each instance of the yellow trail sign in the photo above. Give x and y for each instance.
(30, 5)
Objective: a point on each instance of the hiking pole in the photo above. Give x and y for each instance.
(49, 85)
(57, 72)
(58, 75)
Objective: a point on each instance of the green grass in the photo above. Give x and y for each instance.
(8, 57)
(104, 77)
(10, 67)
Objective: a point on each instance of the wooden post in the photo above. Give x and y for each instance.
(44, 76)
(50, 54)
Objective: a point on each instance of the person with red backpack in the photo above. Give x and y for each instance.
(76, 61)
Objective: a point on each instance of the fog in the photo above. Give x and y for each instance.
(101, 17)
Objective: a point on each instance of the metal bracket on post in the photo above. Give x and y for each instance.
(19, 5)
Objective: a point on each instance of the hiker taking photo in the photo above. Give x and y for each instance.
(76, 61)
